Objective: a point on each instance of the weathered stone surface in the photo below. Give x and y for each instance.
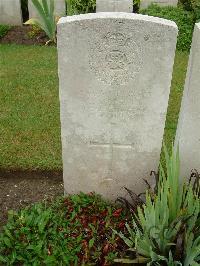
(146, 3)
(114, 6)
(114, 72)
(60, 9)
(188, 130)
(10, 12)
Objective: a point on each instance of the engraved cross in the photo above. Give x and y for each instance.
(111, 145)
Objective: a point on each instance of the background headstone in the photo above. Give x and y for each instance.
(10, 12)
(114, 6)
(115, 72)
(60, 8)
(146, 3)
(188, 130)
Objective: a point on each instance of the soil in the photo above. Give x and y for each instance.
(21, 35)
(22, 188)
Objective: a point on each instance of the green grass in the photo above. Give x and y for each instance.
(178, 80)
(30, 126)
(29, 118)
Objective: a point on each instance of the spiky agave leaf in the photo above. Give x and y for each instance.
(138, 260)
(171, 262)
(175, 186)
(161, 225)
(192, 251)
(47, 21)
(127, 240)
(192, 237)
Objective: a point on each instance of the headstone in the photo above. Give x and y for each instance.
(59, 6)
(115, 72)
(10, 12)
(114, 6)
(188, 130)
(145, 3)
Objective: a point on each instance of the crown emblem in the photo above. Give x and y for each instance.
(115, 39)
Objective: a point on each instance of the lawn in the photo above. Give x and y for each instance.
(30, 126)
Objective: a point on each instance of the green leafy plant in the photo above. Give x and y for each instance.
(34, 32)
(3, 30)
(48, 20)
(166, 229)
(196, 9)
(80, 6)
(184, 19)
(136, 5)
(186, 4)
(191, 5)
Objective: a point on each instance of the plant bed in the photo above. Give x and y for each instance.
(24, 35)
(75, 230)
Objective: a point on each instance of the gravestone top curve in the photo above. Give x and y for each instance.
(117, 15)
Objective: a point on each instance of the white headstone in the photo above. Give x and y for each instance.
(188, 131)
(114, 6)
(10, 12)
(59, 5)
(145, 3)
(115, 72)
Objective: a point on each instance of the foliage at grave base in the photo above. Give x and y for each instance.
(34, 32)
(75, 7)
(166, 229)
(3, 30)
(136, 6)
(184, 19)
(48, 20)
(191, 5)
(75, 230)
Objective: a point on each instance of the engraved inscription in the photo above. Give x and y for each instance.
(115, 58)
(157, 36)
